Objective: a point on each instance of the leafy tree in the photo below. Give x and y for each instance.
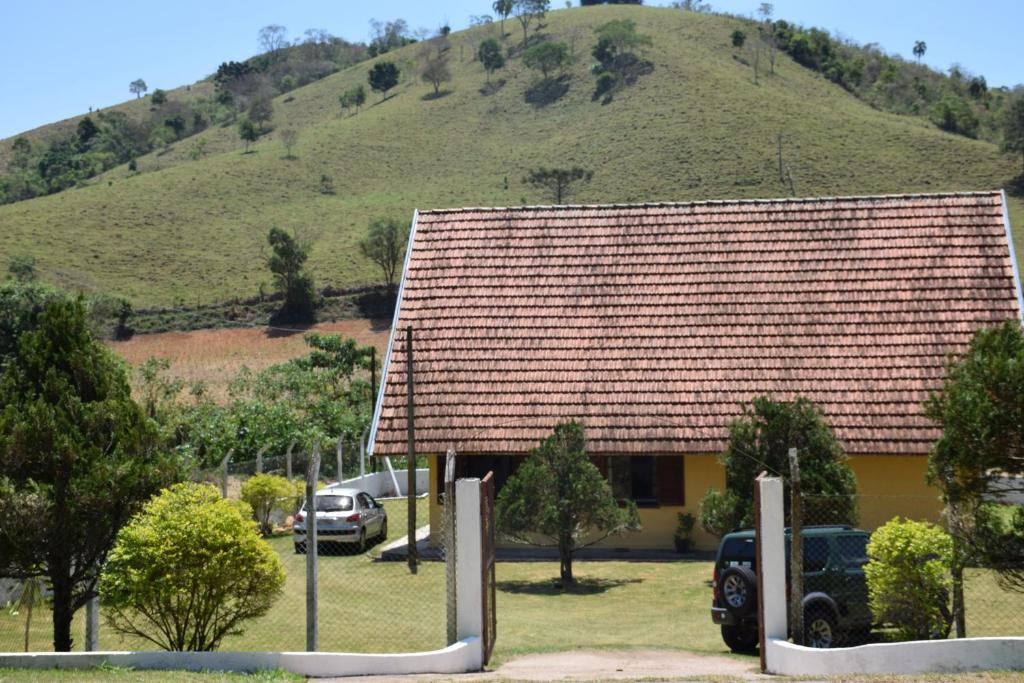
(353, 97)
(289, 138)
(980, 409)
(22, 267)
(954, 115)
(287, 262)
(138, 87)
(908, 578)
(261, 110)
(526, 11)
(384, 244)
(490, 56)
(86, 130)
(264, 493)
(189, 570)
(759, 440)
(247, 131)
(920, 47)
(738, 37)
(558, 498)
(1013, 128)
(272, 39)
(198, 149)
(502, 8)
(159, 97)
(558, 181)
(547, 57)
(383, 76)
(77, 458)
(618, 64)
(435, 71)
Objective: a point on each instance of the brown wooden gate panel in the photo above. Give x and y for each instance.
(487, 543)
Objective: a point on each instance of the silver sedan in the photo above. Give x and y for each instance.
(343, 515)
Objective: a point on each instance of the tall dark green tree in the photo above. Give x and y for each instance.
(558, 498)
(287, 262)
(383, 76)
(760, 440)
(490, 56)
(78, 457)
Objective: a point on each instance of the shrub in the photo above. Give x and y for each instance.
(908, 578)
(189, 570)
(265, 493)
(719, 512)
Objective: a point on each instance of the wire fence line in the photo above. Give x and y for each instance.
(368, 599)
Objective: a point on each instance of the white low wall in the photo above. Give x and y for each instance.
(380, 484)
(917, 657)
(464, 656)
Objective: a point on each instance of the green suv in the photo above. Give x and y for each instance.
(835, 591)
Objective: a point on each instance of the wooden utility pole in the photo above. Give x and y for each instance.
(259, 458)
(449, 545)
(312, 476)
(373, 374)
(339, 453)
(796, 554)
(410, 462)
(288, 461)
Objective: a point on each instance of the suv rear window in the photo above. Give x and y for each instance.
(815, 554)
(737, 551)
(853, 549)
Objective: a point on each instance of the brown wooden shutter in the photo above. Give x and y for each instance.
(670, 480)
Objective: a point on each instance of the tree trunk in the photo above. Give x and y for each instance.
(565, 560)
(62, 614)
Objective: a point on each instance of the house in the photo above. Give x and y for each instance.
(654, 323)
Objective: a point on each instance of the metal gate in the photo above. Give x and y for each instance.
(487, 542)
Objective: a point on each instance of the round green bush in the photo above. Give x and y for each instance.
(266, 493)
(908, 577)
(189, 570)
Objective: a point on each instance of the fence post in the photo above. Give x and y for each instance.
(288, 461)
(771, 565)
(224, 474)
(468, 560)
(338, 454)
(450, 551)
(259, 458)
(92, 625)
(312, 476)
(362, 458)
(410, 460)
(796, 555)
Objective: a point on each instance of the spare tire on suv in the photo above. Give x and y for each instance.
(738, 588)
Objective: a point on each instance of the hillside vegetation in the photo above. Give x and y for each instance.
(696, 127)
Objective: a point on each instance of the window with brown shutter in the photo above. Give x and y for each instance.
(670, 480)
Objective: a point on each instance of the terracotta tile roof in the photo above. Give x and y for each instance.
(654, 323)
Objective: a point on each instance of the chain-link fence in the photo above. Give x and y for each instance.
(369, 597)
(883, 568)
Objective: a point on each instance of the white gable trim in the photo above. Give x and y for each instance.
(394, 332)
(1013, 257)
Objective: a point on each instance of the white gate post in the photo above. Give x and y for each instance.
(771, 565)
(468, 560)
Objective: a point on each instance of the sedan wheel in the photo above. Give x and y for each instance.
(384, 529)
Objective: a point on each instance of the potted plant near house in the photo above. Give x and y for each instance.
(683, 530)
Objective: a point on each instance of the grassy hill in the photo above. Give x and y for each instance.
(697, 127)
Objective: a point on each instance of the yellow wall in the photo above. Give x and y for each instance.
(435, 508)
(889, 485)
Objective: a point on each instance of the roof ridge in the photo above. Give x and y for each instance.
(721, 202)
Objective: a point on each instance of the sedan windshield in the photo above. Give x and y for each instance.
(333, 503)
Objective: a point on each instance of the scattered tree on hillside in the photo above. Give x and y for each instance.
(558, 181)
(547, 57)
(287, 262)
(353, 97)
(385, 245)
(1013, 128)
(261, 110)
(22, 267)
(760, 439)
(435, 71)
(738, 38)
(980, 456)
(388, 36)
(692, 6)
(159, 97)
(77, 458)
(920, 47)
(248, 133)
(138, 87)
(527, 11)
(383, 76)
(502, 8)
(619, 65)
(765, 10)
(558, 498)
(198, 149)
(272, 39)
(490, 56)
(189, 570)
(289, 136)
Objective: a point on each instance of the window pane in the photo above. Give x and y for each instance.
(333, 503)
(620, 478)
(642, 469)
(815, 554)
(853, 549)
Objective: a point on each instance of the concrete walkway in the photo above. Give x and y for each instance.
(600, 665)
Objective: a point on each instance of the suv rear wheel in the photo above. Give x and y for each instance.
(820, 628)
(739, 591)
(740, 639)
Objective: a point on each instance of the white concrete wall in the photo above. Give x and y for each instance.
(772, 563)
(925, 656)
(461, 657)
(380, 484)
(468, 559)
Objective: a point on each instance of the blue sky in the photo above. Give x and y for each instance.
(61, 57)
